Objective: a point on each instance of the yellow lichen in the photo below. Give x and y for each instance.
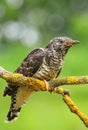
(61, 90)
(72, 80)
(17, 75)
(87, 77)
(11, 76)
(58, 90)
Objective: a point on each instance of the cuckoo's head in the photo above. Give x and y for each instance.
(61, 43)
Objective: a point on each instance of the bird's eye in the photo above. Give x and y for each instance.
(61, 41)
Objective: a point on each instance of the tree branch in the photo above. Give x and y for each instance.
(72, 80)
(51, 86)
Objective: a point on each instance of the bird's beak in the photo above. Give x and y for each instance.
(72, 42)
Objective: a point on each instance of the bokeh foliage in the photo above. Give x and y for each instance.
(27, 24)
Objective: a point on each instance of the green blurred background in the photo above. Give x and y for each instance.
(28, 24)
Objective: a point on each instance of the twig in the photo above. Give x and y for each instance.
(71, 80)
(73, 108)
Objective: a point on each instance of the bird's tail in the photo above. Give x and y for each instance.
(13, 111)
(12, 115)
(18, 98)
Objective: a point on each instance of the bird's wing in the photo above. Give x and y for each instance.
(18, 98)
(31, 63)
(28, 68)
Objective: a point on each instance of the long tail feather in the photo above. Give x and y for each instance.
(18, 98)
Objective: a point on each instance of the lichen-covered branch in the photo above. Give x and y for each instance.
(51, 86)
(75, 109)
(19, 80)
(71, 80)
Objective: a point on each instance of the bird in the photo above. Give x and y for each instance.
(41, 63)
